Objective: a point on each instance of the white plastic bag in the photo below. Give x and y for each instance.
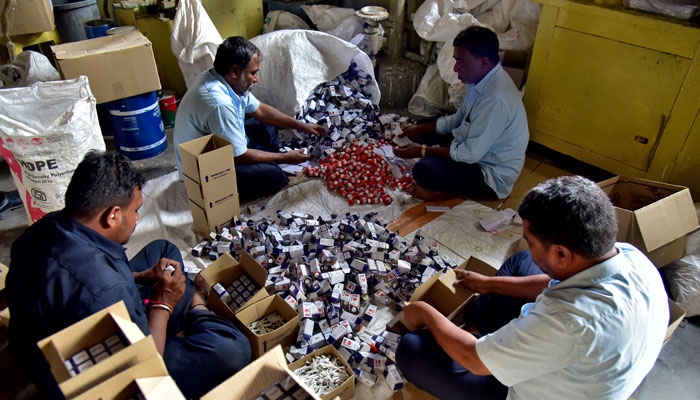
(296, 61)
(45, 131)
(28, 68)
(278, 20)
(327, 18)
(194, 40)
(431, 98)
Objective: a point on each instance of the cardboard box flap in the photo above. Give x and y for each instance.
(256, 377)
(123, 385)
(100, 45)
(675, 213)
(159, 387)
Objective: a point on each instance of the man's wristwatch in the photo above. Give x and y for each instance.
(422, 150)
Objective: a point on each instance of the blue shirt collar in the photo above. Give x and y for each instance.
(479, 86)
(90, 235)
(221, 79)
(597, 272)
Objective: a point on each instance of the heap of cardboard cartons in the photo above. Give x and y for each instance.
(117, 66)
(210, 179)
(29, 16)
(117, 374)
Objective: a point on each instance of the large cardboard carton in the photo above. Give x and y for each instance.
(284, 335)
(653, 216)
(85, 333)
(257, 376)
(117, 66)
(30, 16)
(439, 292)
(225, 270)
(123, 384)
(210, 179)
(347, 389)
(677, 313)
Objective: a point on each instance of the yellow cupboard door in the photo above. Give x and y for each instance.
(606, 96)
(687, 167)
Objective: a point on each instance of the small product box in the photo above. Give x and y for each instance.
(655, 217)
(117, 66)
(148, 380)
(260, 377)
(225, 270)
(283, 335)
(210, 179)
(29, 16)
(439, 292)
(345, 390)
(95, 348)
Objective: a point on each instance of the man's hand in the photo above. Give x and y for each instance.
(170, 286)
(471, 280)
(410, 151)
(413, 315)
(151, 275)
(316, 130)
(295, 157)
(413, 132)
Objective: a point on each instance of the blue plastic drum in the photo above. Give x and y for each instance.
(138, 126)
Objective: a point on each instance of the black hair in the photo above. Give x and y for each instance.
(480, 41)
(571, 211)
(102, 180)
(235, 50)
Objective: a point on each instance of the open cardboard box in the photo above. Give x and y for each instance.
(117, 66)
(653, 216)
(225, 270)
(284, 335)
(677, 313)
(439, 292)
(30, 16)
(210, 180)
(126, 383)
(255, 378)
(347, 389)
(85, 333)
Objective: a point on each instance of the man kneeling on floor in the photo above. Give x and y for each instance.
(590, 327)
(71, 264)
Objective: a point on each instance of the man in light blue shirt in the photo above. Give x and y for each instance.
(220, 104)
(478, 151)
(594, 326)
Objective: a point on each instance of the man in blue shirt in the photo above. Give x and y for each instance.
(590, 327)
(71, 264)
(220, 104)
(478, 151)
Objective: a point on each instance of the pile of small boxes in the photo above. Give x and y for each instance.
(286, 388)
(336, 270)
(236, 294)
(85, 359)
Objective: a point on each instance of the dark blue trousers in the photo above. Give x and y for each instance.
(425, 363)
(261, 179)
(447, 175)
(211, 351)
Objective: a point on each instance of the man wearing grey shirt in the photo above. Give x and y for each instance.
(478, 151)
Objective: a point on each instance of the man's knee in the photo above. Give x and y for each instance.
(231, 355)
(520, 264)
(166, 248)
(422, 172)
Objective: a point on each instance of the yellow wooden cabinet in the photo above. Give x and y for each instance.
(618, 89)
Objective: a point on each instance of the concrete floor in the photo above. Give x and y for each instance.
(675, 375)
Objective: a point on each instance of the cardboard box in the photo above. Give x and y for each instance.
(653, 216)
(210, 179)
(117, 66)
(516, 64)
(225, 270)
(85, 333)
(347, 389)
(449, 300)
(257, 376)
(677, 313)
(124, 384)
(159, 387)
(284, 335)
(30, 16)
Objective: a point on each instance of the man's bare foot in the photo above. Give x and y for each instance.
(427, 194)
(201, 293)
